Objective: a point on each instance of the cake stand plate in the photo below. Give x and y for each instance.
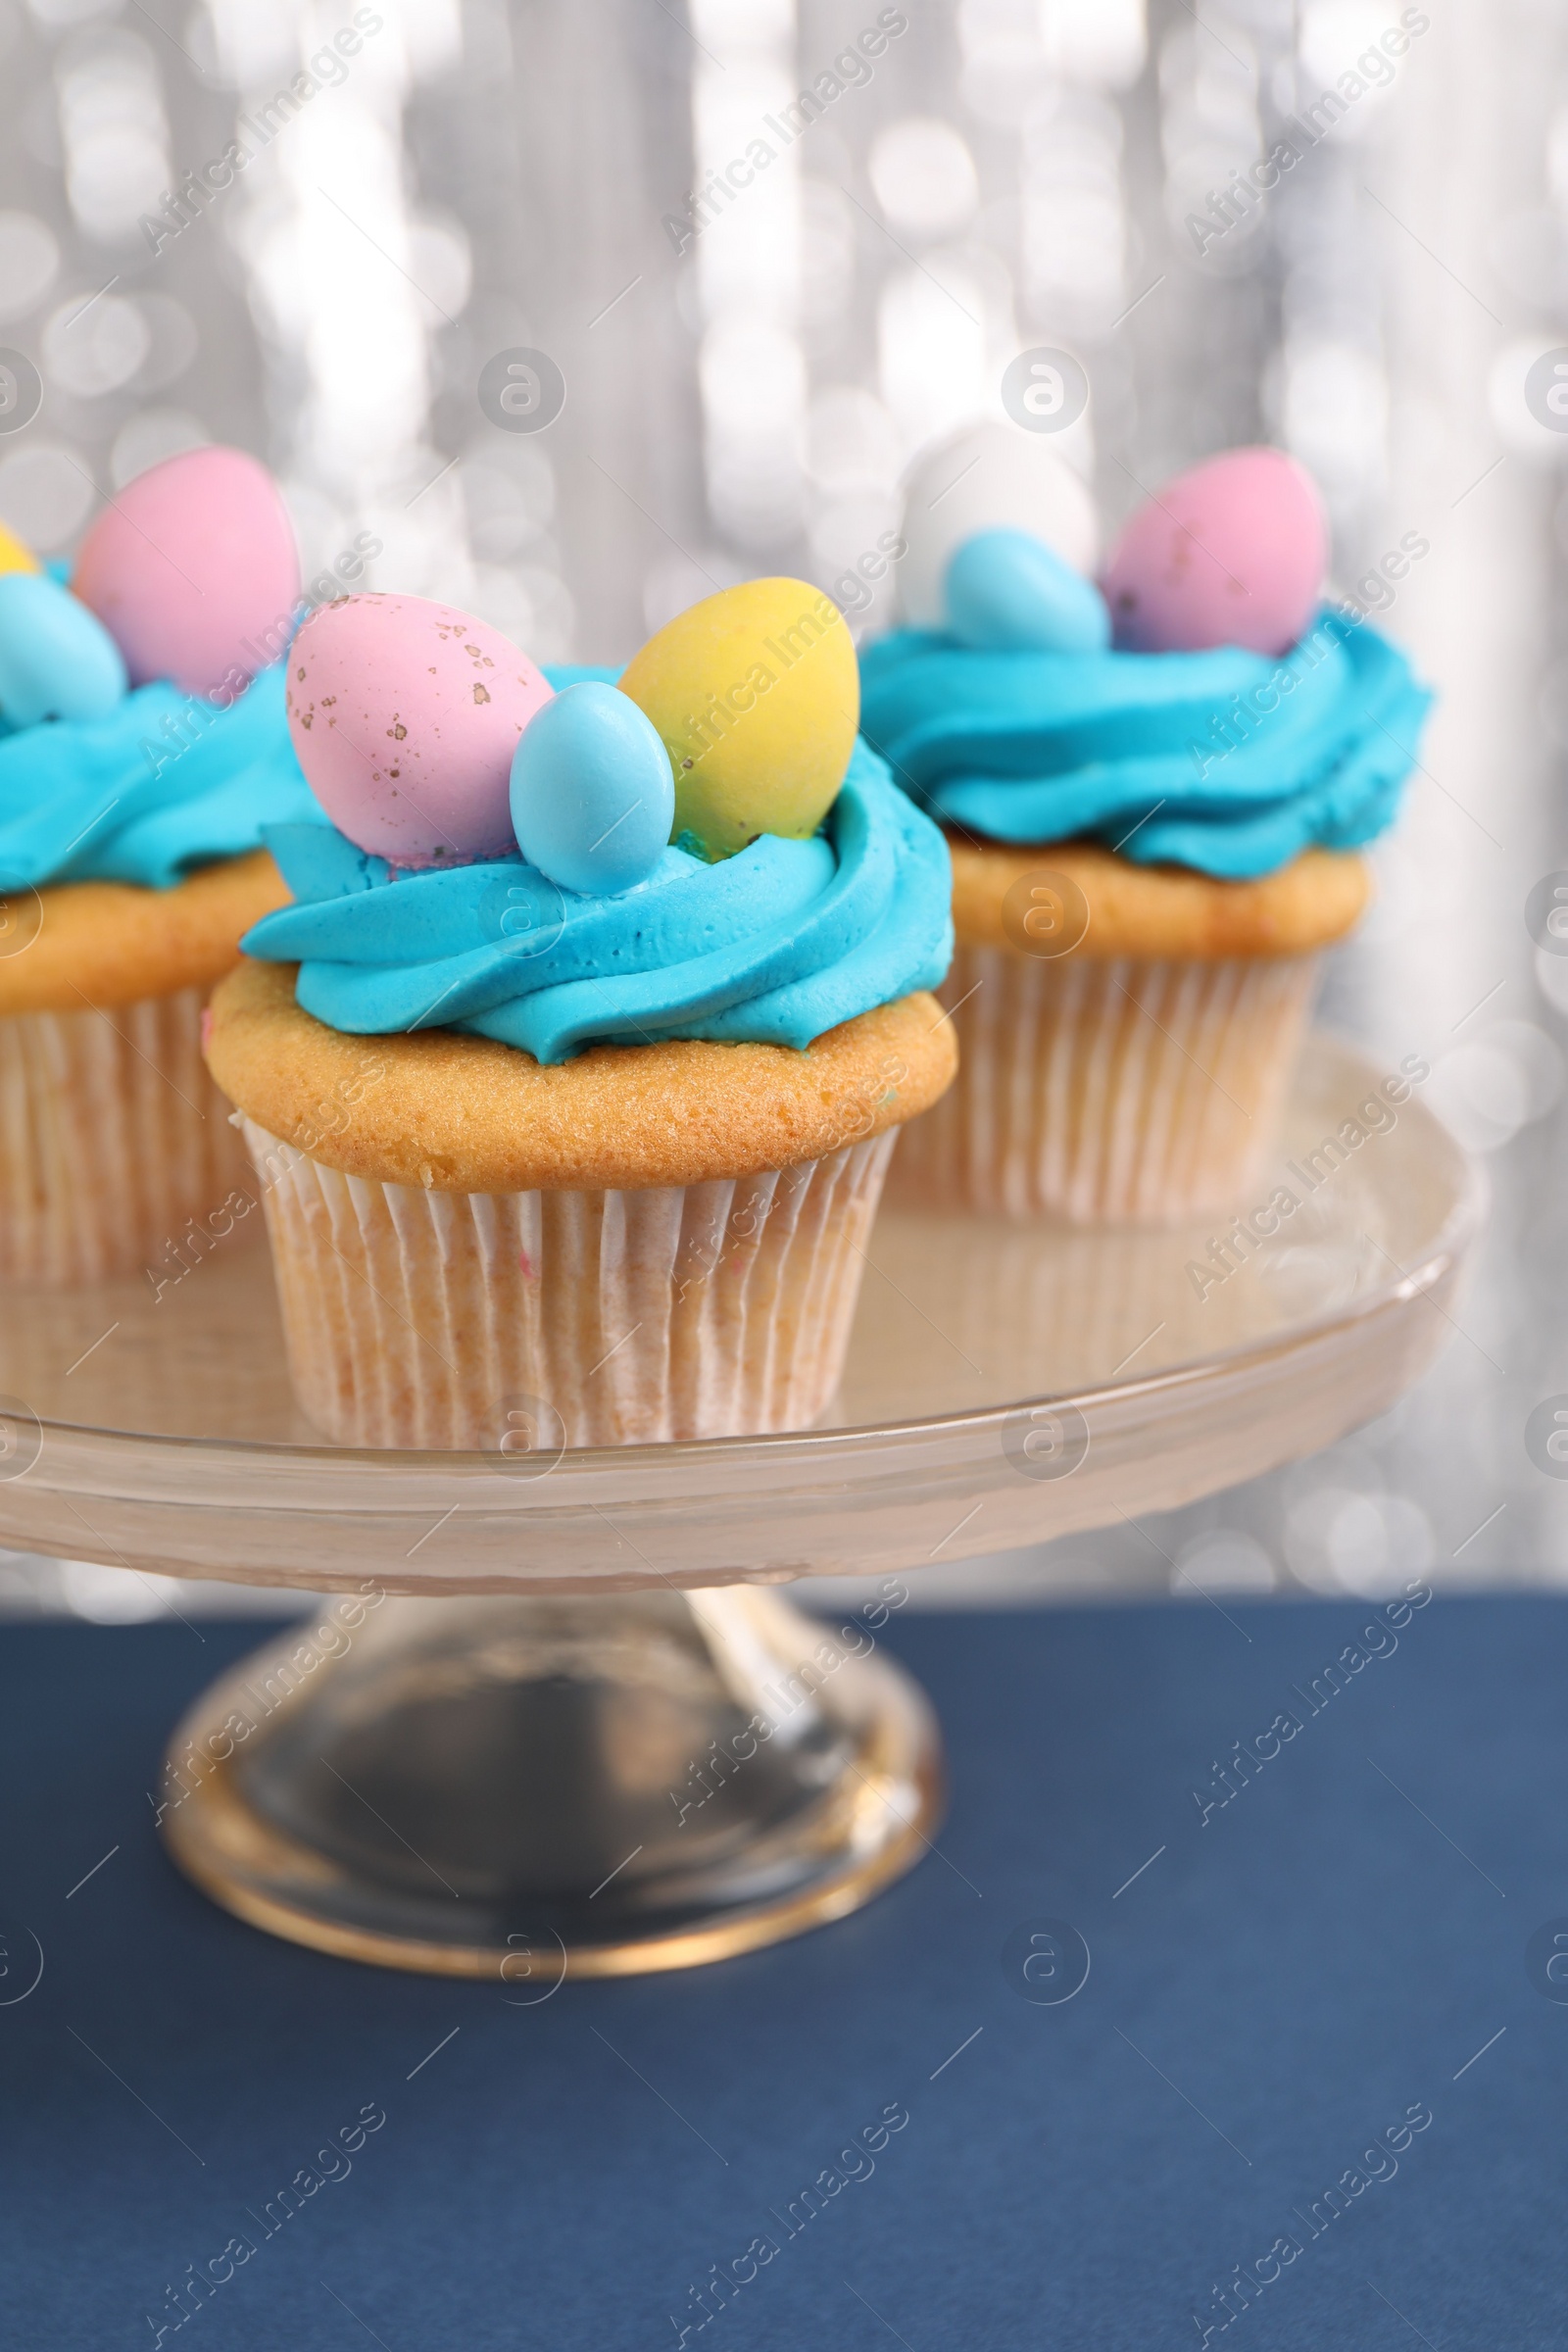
(595, 1743)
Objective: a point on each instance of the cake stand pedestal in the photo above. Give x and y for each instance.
(550, 1718)
(509, 1786)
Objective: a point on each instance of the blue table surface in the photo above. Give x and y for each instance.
(1272, 2006)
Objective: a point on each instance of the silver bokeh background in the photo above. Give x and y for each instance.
(745, 385)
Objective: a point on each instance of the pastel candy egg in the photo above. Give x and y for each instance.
(13, 555)
(56, 659)
(592, 793)
(1007, 592)
(193, 570)
(988, 477)
(405, 715)
(756, 694)
(1232, 553)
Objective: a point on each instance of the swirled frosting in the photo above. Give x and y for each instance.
(1228, 762)
(165, 784)
(775, 945)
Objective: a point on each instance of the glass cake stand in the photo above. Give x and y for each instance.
(552, 1716)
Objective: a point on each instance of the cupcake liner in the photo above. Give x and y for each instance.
(505, 1322)
(111, 1137)
(1120, 1090)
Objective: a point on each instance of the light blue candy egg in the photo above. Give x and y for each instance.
(1009, 593)
(593, 795)
(57, 659)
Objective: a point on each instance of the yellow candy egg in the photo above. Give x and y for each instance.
(14, 557)
(756, 695)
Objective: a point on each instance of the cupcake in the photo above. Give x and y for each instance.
(572, 1076)
(1155, 796)
(144, 742)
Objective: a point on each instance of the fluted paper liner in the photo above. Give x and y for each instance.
(111, 1137)
(445, 1320)
(1120, 1090)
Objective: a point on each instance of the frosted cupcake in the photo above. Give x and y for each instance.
(568, 1131)
(1154, 838)
(138, 763)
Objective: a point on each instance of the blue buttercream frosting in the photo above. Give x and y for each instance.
(1228, 762)
(163, 785)
(775, 946)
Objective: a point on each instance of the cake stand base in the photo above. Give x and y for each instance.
(526, 1789)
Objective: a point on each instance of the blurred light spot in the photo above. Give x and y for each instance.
(1074, 227)
(37, 124)
(751, 368)
(321, 527)
(1336, 411)
(1209, 131)
(748, 246)
(529, 605)
(172, 341)
(525, 464)
(851, 441)
(1094, 41)
(29, 260)
(441, 263)
(423, 543)
(739, 23)
(1535, 1055)
(931, 353)
(1004, 64)
(150, 437)
(1400, 901)
(1214, 82)
(504, 509)
(116, 136)
(1527, 251)
(1333, 33)
(674, 581)
(256, 42)
(923, 176)
(1337, 1540)
(56, 14)
(432, 36)
(1223, 1561)
(91, 346)
(1489, 1088)
(45, 494)
(753, 376)
(827, 252)
(115, 1595)
(855, 573)
(327, 242)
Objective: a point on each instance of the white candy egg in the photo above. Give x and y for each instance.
(989, 476)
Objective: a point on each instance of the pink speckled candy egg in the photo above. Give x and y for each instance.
(1232, 553)
(193, 572)
(405, 715)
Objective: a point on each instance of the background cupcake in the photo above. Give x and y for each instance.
(1154, 796)
(138, 762)
(618, 1109)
